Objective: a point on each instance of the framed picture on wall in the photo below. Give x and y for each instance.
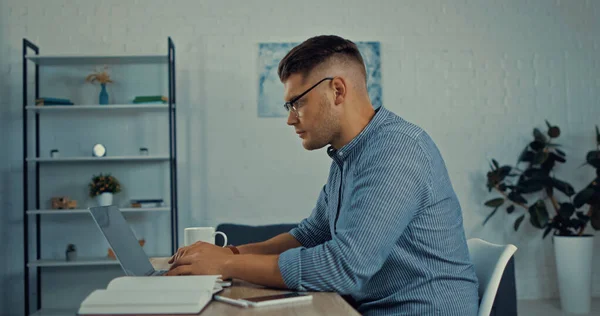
(270, 88)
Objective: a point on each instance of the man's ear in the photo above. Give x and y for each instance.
(339, 89)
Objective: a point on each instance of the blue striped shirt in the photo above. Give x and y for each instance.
(387, 228)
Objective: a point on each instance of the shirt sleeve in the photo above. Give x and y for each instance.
(314, 230)
(390, 186)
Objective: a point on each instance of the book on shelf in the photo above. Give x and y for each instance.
(53, 101)
(147, 203)
(152, 295)
(151, 99)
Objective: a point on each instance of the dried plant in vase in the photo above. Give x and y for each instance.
(103, 78)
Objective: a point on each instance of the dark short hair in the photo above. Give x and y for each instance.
(315, 51)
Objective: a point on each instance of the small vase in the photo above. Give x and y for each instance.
(103, 98)
(105, 199)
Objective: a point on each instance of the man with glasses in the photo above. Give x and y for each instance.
(386, 231)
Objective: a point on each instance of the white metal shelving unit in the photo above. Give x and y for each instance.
(33, 161)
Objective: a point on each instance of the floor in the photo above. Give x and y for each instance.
(551, 307)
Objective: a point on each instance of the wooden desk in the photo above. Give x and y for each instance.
(321, 304)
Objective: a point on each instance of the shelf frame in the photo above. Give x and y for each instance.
(95, 107)
(79, 59)
(98, 159)
(85, 211)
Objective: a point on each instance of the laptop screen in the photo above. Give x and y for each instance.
(123, 242)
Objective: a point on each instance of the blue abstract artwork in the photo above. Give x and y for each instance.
(270, 89)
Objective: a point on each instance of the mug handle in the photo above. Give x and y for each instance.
(224, 237)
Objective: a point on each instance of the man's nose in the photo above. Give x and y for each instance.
(292, 119)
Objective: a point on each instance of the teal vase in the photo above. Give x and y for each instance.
(103, 98)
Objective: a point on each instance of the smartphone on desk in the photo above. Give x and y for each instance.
(267, 300)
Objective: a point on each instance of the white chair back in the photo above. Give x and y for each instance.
(489, 260)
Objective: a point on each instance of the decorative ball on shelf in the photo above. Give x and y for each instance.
(99, 150)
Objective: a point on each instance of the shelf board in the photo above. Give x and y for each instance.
(90, 261)
(55, 312)
(85, 211)
(98, 159)
(58, 108)
(97, 59)
(99, 261)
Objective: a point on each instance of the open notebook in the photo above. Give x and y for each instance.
(152, 295)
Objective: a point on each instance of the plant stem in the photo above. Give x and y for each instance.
(555, 204)
(506, 196)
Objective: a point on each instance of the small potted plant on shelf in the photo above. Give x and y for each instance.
(102, 187)
(103, 78)
(572, 211)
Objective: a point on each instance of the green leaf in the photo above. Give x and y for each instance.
(563, 187)
(495, 163)
(537, 145)
(566, 210)
(490, 216)
(583, 217)
(597, 136)
(583, 197)
(510, 209)
(560, 152)
(593, 158)
(548, 124)
(517, 198)
(558, 158)
(554, 145)
(538, 214)
(497, 202)
(538, 135)
(540, 157)
(504, 171)
(527, 156)
(548, 229)
(595, 218)
(530, 186)
(518, 222)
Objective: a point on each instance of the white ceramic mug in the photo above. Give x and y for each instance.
(205, 234)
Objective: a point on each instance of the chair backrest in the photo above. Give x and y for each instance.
(244, 234)
(490, 261)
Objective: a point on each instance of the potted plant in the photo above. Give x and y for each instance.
(103, 78)
(572, 211)
(102, 187)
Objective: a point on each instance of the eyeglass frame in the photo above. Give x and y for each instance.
(289, 105)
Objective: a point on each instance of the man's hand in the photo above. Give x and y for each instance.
(197, 247)
(200, 259)
(207, 259)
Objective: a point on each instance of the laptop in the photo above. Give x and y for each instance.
(132, 258)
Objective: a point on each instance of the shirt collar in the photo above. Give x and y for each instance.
(365, 134)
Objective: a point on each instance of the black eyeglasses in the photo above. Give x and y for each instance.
(290, 104)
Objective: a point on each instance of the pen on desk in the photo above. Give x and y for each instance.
(229, 301)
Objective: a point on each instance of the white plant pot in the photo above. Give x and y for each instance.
(574, 270)
(105, 199)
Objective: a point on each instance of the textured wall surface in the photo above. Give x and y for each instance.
(477, 75)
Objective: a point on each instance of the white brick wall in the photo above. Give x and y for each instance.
(476, 75)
